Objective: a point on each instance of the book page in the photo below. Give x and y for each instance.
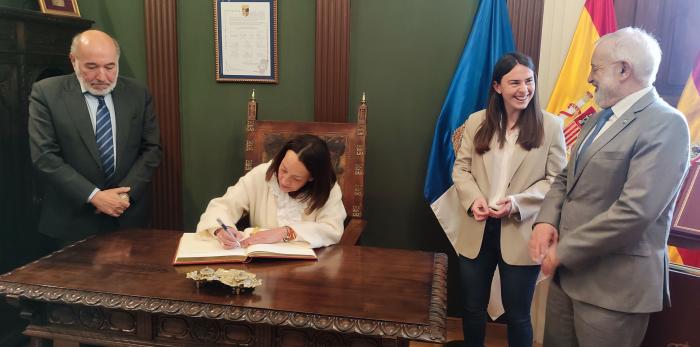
(283, 249)
(193, 245)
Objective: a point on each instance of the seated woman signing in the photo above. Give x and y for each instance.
(293, 197)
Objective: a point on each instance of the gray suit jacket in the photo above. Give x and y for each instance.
(64, 152)
(614, 216)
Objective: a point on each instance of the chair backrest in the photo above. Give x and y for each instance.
(346, 142)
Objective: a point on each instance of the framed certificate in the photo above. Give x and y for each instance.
(245, 34)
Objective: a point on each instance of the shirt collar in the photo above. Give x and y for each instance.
(624, 105)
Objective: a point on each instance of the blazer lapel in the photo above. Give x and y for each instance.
(488, 161)
(122, 115)
(627, 118)
(515, 161)
(78, 110)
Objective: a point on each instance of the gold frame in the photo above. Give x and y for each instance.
(692, 177)
(49, 10)
(274, 76)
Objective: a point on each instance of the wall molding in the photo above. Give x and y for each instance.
(164, 84)
(332, 65)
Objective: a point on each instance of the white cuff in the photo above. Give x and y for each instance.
(94, 191)
(513, 206)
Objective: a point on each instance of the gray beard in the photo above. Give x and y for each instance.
(601, 96)
(93, 91)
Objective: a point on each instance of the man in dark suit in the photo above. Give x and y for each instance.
(603, 226)
(95, 142)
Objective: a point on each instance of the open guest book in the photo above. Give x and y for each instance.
(204, 249)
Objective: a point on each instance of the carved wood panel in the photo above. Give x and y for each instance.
(32, 46)
(94, 324)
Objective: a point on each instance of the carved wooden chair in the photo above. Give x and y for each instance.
(346, 142)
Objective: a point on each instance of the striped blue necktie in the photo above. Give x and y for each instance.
(103, 135)
(605, 114)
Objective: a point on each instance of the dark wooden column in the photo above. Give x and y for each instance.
(332, 60)
(526, 20)
(164, 83)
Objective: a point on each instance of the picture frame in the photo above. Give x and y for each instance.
(686, 221)
(60, 7)
(245, 36)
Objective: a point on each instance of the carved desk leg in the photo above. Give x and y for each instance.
(37, 342)
(30, 312)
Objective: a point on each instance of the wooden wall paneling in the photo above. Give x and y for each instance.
(680, 46)
(163, 81)
(332, 64)
(526, 21)
(673, 23)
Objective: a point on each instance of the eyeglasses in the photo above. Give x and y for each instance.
(596, 68)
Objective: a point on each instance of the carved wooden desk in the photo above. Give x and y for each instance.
(120, 289)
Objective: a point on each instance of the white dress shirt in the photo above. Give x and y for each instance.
(619, 109)
(500, 166)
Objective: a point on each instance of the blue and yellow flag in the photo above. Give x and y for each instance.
(491, 37)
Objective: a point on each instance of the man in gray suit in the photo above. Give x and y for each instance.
(603, 226)
(95, 142)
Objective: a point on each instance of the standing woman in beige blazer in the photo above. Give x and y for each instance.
(509, 156)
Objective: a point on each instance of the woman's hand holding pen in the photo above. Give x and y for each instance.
(229, 237)
(228, 241)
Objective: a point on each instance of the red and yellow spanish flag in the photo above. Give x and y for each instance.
(684, 256)
(572, 97)
(689, 103)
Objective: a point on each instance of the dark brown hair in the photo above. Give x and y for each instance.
(530, 120)
(313, 153)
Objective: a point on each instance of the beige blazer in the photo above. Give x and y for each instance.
(252, 194)
(531, 174)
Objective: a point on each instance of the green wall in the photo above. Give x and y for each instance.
(214, 114)
(403, 54)
(32, 5)
(124, 21)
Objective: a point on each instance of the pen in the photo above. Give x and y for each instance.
(228, 232)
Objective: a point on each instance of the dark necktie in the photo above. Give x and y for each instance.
(103, 135)
(605, 114)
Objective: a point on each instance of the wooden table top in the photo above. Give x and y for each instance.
(365, 290)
